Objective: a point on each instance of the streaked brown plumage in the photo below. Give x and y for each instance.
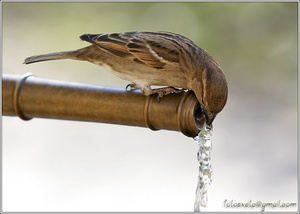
(155, 58)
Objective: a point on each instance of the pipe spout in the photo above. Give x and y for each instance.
(29, 96)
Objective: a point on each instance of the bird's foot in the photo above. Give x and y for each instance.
(161, 92)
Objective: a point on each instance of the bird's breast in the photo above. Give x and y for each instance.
(146, 76)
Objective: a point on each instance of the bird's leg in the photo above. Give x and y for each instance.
(160, 91)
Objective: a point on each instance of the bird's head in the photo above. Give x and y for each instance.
(211, 90)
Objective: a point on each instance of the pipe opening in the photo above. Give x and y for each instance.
(199, 117)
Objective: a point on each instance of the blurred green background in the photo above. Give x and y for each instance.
(54, 165)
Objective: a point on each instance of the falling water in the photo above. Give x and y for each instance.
(205, 169)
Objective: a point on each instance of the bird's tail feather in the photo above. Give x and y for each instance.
(77, 54)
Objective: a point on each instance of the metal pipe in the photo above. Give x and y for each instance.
(29, 96)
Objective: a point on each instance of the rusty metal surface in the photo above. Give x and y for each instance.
(29, 97)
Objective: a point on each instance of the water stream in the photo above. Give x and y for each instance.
(205, 169)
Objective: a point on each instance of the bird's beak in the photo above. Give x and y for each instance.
(209, 118)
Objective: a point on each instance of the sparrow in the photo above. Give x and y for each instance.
(155, 59)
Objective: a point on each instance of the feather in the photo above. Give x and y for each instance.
(153, 50)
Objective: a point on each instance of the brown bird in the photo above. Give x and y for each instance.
(155, 58)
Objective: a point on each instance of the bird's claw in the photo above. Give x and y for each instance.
(131, 86)
(159, 96)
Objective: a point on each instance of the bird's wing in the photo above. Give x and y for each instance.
(152, 49)
(111, 43)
